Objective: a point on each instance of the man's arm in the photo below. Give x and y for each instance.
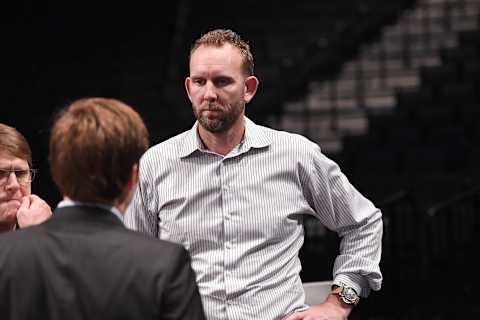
(341, 208)
(138, 216)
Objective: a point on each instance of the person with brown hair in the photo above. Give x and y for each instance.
(83, 263)
(235, 193)
(18, 206)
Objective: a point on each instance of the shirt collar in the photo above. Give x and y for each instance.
(70, 203)
(190, 143)
(255, 137)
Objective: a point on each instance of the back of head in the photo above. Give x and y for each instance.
(94, 144)
(14, 144)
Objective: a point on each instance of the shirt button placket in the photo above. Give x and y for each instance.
(228, 244)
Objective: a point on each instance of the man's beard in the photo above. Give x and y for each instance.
(223, 121)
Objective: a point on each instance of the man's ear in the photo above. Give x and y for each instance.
(251, 86)
(122, 202)
(187, 87)
(133, 177)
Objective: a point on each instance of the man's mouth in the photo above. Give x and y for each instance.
(212, 107)
(14, 196)
(218, 109)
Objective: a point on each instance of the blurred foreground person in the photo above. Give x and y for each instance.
(83, 263)
(18, 206)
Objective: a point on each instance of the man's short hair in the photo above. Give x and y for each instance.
(219, 37)
(14, 143)
(94, 144)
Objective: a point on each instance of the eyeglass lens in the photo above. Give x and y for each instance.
(23, 176)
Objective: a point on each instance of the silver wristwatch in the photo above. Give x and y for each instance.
(347, 294)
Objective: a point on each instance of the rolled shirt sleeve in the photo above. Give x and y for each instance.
(343, 209)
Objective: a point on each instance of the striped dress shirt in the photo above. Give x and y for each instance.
(241, 218)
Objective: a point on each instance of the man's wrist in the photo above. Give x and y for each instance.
(346, 294)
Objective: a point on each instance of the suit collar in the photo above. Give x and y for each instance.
(66, 202)
(86, 214)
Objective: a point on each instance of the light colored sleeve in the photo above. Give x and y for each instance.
(341, 208)
(139, 215)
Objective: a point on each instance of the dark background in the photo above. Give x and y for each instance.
(418, 162)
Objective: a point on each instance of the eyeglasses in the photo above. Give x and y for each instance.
(24, 177)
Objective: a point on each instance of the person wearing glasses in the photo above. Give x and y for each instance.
(18, 206)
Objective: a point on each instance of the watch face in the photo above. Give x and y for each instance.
(349, 295)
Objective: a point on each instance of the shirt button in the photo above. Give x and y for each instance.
(228, 245)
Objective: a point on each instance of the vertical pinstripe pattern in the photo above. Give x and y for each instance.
(240, 216)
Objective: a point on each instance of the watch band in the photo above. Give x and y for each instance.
(336, 289)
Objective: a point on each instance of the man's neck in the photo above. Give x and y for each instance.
(223, 142)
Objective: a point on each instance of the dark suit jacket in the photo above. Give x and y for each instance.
(84, 264)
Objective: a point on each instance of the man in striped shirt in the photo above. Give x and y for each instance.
(235, 193)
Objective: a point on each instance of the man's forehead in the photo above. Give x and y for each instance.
(224, 55)
(7, 161)
(212, 61)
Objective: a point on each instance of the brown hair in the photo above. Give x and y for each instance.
(15, 144)
(93, 145)
(219, 37)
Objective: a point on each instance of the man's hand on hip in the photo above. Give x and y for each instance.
(331, 309)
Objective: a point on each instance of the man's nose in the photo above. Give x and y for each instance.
(12, 182)
(210, 92)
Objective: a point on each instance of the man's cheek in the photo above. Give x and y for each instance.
(26, 190)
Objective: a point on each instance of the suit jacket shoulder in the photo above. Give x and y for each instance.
(83, 263)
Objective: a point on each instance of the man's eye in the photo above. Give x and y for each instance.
(198, 82)
(222, 82)
(22, 173)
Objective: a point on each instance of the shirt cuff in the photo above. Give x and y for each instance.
(355, 281)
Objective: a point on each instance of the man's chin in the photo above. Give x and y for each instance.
(211, 125)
